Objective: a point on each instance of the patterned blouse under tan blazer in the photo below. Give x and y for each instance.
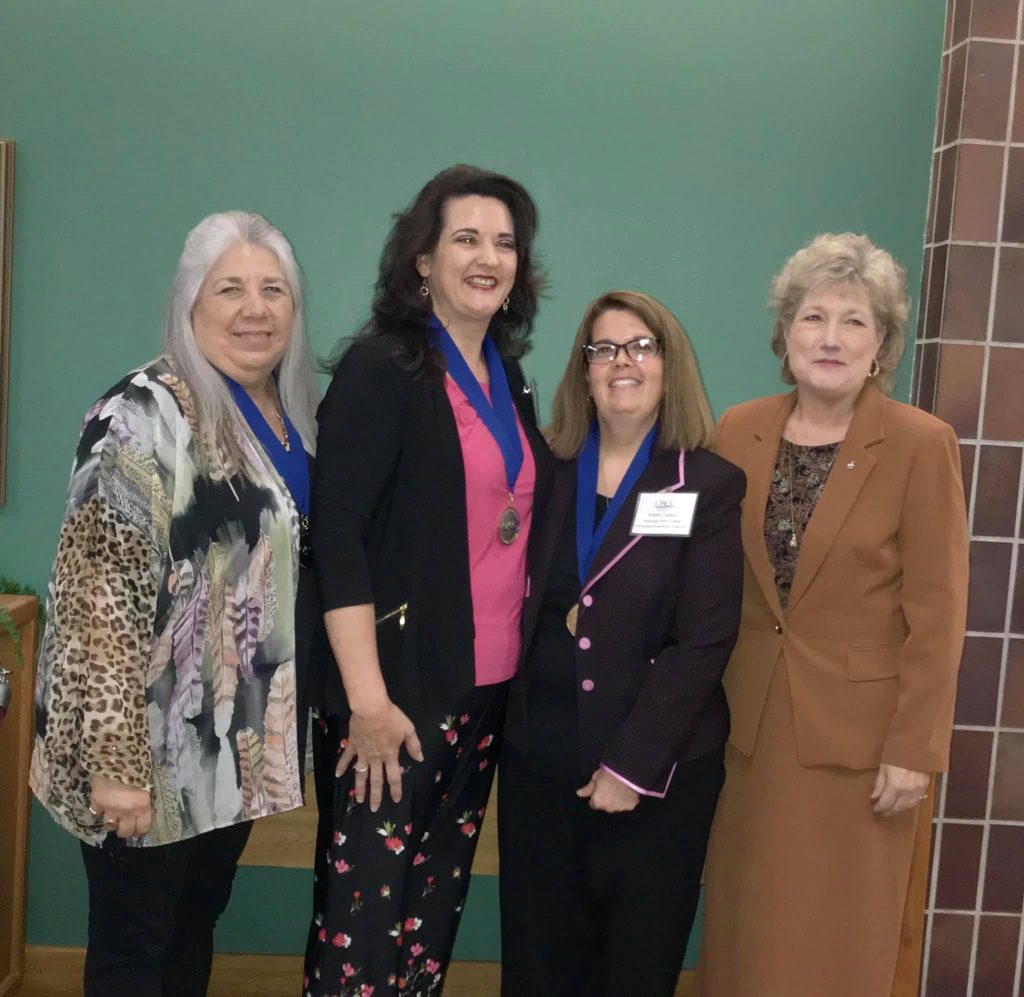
(168, 659)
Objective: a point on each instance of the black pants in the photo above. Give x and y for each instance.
(595, 903)
(152, 912)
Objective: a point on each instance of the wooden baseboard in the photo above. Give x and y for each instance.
(57, 972)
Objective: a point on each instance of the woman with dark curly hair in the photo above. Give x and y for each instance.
(422, 502)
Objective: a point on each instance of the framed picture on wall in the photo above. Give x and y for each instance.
(6, 236)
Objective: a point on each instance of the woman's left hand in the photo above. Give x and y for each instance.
(898, 789)
(606, 793)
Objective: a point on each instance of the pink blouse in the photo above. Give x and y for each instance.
(497, 571)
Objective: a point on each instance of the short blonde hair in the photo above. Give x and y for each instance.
(684, 413)
(830, 258)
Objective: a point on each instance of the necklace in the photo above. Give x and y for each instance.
(284, 431)
(795, 532)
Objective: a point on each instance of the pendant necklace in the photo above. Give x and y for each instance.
(795, 533)
(284, 431)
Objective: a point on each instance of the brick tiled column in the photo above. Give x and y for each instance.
(969, 370)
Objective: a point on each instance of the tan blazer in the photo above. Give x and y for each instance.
(874, 630)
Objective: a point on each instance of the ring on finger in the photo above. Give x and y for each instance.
(95, 813)
(365, 768)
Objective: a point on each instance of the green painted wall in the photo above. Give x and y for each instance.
(682, 147)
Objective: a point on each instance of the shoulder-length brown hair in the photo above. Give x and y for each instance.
(684, 414)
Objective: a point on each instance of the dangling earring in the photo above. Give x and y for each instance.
(504, 305)
(875, 368)
(424, 290)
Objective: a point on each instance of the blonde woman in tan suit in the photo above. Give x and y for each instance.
(842, 683)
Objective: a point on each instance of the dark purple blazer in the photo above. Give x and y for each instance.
(657, 623)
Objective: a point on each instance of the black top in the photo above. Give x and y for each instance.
(661, 623)
(388, 523)
(550, 741)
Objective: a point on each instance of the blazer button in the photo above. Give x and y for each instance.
(584, 643)
(587, 685)
(587, 600)
(778, 628)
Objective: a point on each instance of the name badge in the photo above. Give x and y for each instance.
(664, 514)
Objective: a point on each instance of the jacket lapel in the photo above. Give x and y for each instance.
(760, 469)
(850, 470)
(662, 474)
(555, 507)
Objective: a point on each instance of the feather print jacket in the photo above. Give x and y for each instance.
(168, 658)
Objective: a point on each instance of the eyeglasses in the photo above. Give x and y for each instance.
(640, 349)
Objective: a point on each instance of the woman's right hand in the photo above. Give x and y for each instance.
(126, 811)
(375, 738)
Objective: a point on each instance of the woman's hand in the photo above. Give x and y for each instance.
(898, 789)
(126, 811)
(608, 794)
(374, 739)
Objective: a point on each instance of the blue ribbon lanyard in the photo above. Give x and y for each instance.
(588, 540)
(498, 414)
(292, 466)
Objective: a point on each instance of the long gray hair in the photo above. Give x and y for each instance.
(217, 414)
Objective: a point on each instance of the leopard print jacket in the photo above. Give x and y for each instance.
(168, 658)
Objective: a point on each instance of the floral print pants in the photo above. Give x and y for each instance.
(389, 887)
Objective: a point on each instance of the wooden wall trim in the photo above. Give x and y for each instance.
(15, 752)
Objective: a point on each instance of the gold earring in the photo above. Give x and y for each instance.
(504, 305)
(875, 368)
(424, 290)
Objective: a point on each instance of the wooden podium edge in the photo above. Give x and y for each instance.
(24, 611)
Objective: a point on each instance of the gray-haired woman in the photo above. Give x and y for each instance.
(166, 701)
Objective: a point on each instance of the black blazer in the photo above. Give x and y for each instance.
(658, 620)
(388, 523)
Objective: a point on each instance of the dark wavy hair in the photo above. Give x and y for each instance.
(398, 307)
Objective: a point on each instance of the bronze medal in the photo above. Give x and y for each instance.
(571, 617)
(509, 526)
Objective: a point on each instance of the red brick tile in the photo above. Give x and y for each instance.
(925, 370)
(968, 454)
(968, 289)
(993, 19)
(978, 685)
(961, 21)
(996, 960)
(1007, 795)
(979, 175)
(935, 291)
(1017, 609)
(990, 585)
(995, 502)
(967, 779)
(1013, 685)
(959, 864)
(1013, 209)
(1017, 128)
(949, 959)
(1004, 870)
(945, 193)
(987, 91)
(1008, 321)
(1004, 395)
(954, 95)
(958, 389)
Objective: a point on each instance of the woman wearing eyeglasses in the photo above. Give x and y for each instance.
(612, 763)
